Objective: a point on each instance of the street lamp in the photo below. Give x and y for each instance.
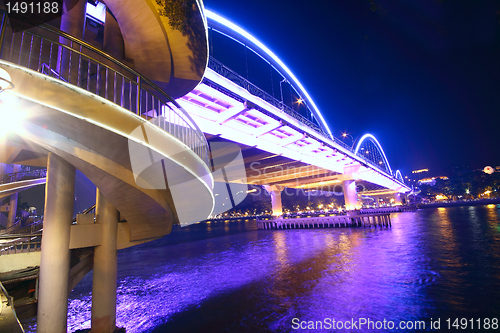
(345, 135)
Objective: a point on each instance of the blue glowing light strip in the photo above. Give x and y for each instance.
(235, 31)
(378, 146)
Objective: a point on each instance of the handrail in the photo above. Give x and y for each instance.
(228, 73)
(71, 54)
(23, 175)
(27, 232)
(32, 244)
(234, 77)
(87, 211)
(23, 230)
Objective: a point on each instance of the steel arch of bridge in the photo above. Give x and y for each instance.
(399, 176)
(368, 143)
(241, 36)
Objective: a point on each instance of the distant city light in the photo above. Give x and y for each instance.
(489, 170)
(420, 171)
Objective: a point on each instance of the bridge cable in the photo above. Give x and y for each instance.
(211, 42)
(272, 82)
(246, 61)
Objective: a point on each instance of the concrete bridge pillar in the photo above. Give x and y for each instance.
(350, 194)
(105, 267)
(11, 219)
(398, 199)
(55, 256)
(275, 193)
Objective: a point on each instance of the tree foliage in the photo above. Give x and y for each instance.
(179, 12)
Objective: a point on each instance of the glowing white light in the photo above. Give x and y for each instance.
(11, 115)
(5, 80)
(211, 15)
(97, 12)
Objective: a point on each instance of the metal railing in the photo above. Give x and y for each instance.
(29, 229)
(343, 144)
(231, 75)
(69, 59)
(36, 225)
(27, 238)
(13, 244)
(23, 175)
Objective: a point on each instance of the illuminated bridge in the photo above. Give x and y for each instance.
(281, 147)
(117, 93)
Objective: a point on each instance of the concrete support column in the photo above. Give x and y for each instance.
(350, 194)
(55, 256)
(105, 266)
(397, 199)
(11, 219)
(276, 204)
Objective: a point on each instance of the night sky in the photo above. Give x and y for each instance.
(423, 76)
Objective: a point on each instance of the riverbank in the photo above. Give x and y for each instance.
(460, 203)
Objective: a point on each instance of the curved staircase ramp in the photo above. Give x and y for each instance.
(15, 187)
(94, 135)
(176, 61)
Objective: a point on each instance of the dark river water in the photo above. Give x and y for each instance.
(432, 265)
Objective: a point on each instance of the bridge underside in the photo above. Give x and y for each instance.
(265, 168)
(279, 148)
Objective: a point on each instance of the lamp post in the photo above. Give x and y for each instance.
(281, 91)
(345, 135)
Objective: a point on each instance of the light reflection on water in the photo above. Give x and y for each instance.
(231, 277)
